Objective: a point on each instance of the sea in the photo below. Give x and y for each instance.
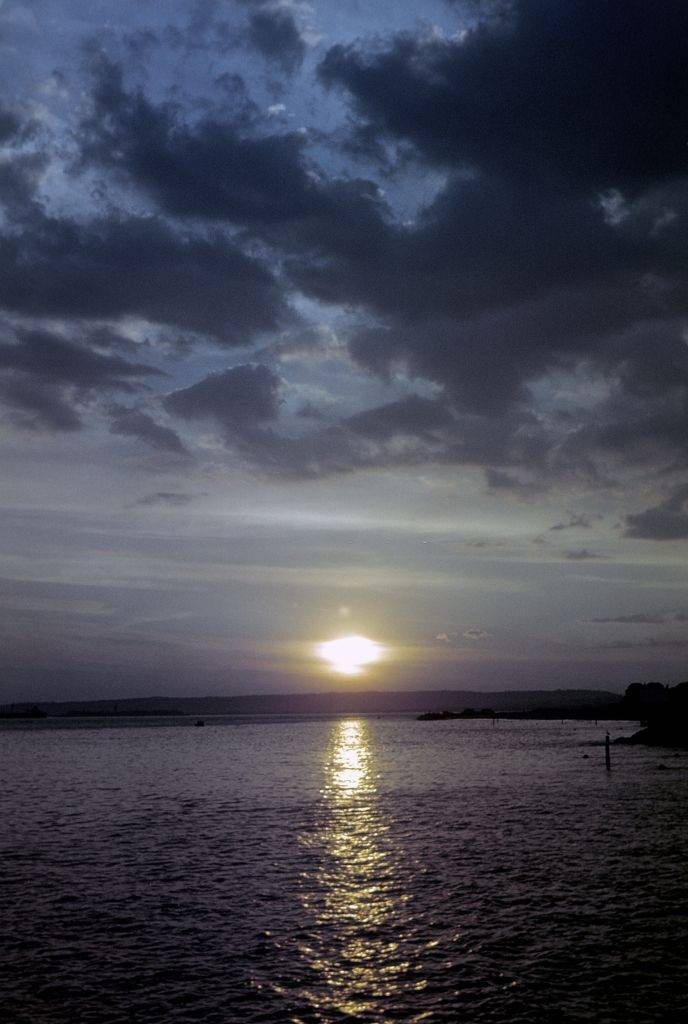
(358, 869)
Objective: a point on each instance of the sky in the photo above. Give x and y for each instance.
(342, 318)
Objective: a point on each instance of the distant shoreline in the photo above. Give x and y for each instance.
(514, 702)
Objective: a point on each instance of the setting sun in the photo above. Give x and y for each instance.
(349, 654)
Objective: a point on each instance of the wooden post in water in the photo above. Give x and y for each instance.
(607, 754)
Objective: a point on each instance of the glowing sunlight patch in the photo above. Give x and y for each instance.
(349, 654)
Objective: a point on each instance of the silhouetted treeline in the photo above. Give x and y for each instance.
(661, 710)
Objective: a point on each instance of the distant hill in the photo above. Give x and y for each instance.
(342, 702)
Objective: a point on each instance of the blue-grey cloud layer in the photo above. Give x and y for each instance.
(556, 243)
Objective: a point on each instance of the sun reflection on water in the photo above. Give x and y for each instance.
(349, 765)
(355, 897)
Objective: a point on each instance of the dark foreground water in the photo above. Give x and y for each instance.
(342, 870)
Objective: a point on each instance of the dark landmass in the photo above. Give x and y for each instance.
(611, 711)
(21, 711)
(338, 702)
(441, 716)
(174, 712)
(661, 710)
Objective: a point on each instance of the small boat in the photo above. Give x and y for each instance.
(199, 721)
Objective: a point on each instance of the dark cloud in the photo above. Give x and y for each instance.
(499, 282)
(414, 416)
(9, 124)
(241, 400)
(498, 480)
(491, 290)
(638, 618)
(576, 521)
(216, 169)
(19, 177)
(553, 244)
(119, 265)
(175, 499)
(134, 423)
(36, 405)
(417, 431)
(652, 643)
(633, 429)
(138, 266)
(588, 93)
(47, 378)
(203, 28)
(582, 555)
(274, 33)
(225, 170)
(54, 359)
(106, 338)
(309, 411)
(245, 403)
(440, 289)
(141, 43)
(666, 521)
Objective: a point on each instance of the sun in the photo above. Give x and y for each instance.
(349, 654)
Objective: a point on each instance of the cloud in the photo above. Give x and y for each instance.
(582, 555)
(240, 400)
(576, 521)
(514, 272)
(502, 91)
(134, 423)
(245, 402)
(486, 331)
(498, 480)
(309, 411)
(651, 644)
(666, 521)
(36, 405)
(475, 634)
(54, 358)
(115, 267)
(274, 33)
(215, 169)
(638, 618)
(9, 124)
(47, 379)
(226, 170)
(413, 416)
(542, 280)
(19, 178)
(175, 499)
(547, 248)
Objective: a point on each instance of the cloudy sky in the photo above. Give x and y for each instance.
(342, 318)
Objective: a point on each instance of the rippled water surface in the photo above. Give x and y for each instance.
(345, 870)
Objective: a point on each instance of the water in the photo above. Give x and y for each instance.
(340, 870)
